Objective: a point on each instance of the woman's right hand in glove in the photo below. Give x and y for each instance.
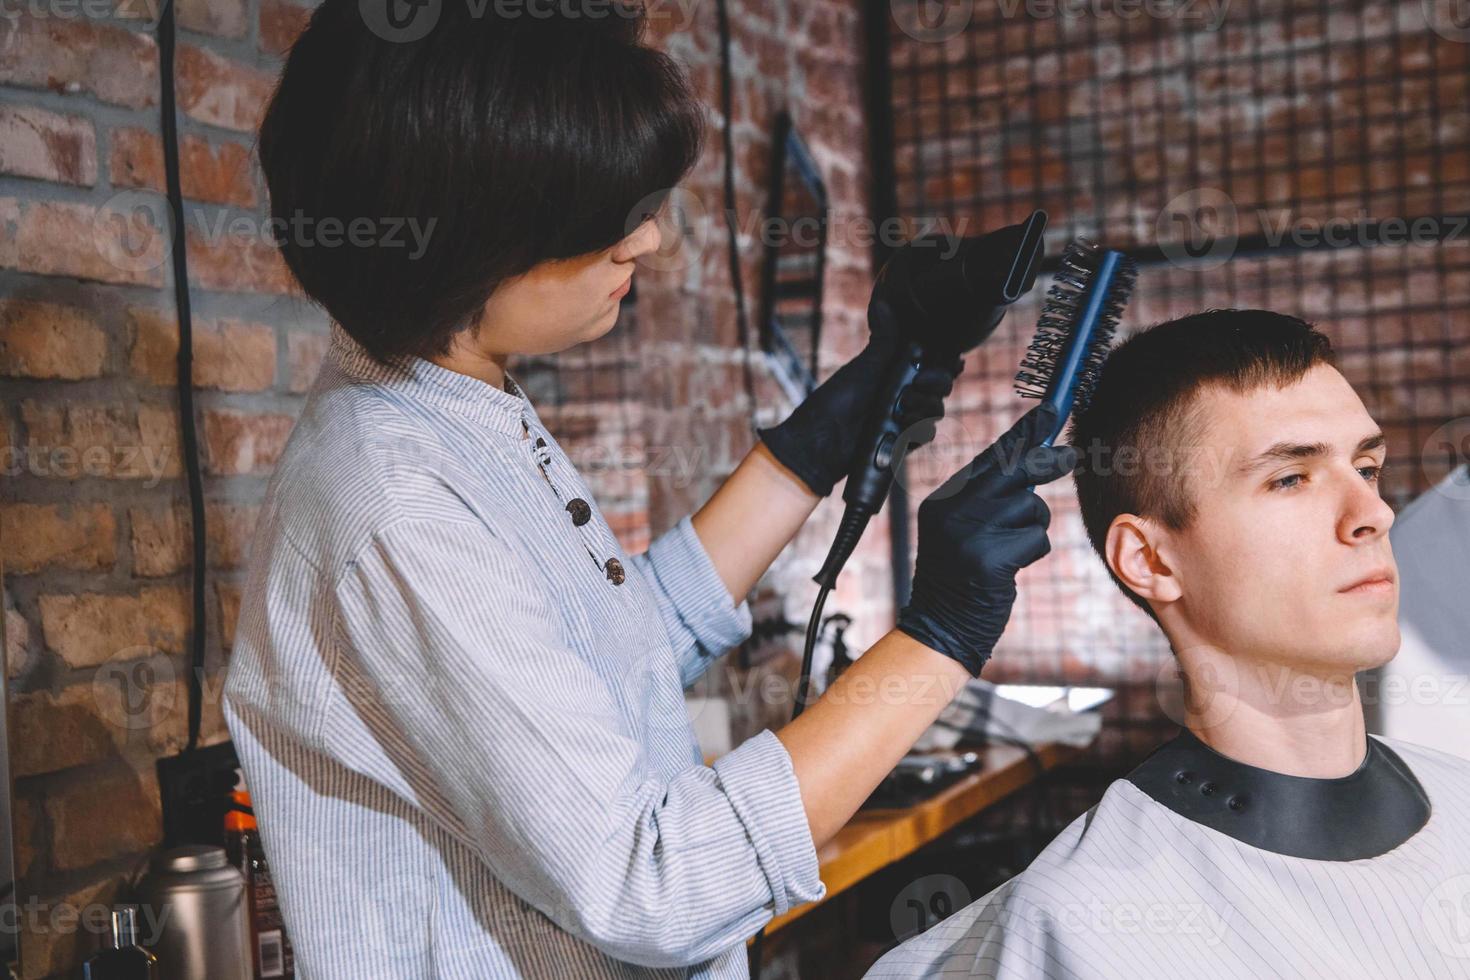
(976, 532)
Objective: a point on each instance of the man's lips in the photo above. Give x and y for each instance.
(1378, 580)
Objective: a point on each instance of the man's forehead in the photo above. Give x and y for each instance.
(1320, 407)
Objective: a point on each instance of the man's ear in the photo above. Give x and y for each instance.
(1132, 547)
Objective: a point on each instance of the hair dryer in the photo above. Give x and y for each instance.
(942, 305)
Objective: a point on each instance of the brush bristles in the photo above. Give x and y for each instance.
(1065, 301)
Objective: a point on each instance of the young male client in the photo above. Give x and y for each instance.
(1229, 480)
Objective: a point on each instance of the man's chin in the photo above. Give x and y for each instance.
(1373, 643)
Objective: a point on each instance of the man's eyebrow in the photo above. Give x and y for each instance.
(1286, 451)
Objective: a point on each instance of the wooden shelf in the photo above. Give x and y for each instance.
(874, 839)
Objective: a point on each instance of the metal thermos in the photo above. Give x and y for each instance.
(198, 902)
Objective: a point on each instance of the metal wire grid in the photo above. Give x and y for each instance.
(1213, 156)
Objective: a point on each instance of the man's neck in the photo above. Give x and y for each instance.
(1283, 719)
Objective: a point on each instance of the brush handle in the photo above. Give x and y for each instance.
(1063, 388)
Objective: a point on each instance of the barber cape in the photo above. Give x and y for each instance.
(1197, 865)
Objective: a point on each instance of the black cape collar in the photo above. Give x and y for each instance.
(1361, 815)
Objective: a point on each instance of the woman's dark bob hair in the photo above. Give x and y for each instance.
(420, 152)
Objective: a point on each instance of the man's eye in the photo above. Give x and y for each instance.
(1281, 484)
(1374, 473)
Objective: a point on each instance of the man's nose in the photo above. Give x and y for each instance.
(1365, 514)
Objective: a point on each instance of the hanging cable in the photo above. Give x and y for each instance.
(727, 134)
(169, 131)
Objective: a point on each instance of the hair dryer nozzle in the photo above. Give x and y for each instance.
(948, 296)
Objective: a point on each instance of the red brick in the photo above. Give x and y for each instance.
(221, 173)
(107, 244)
(139, 704)
(305, 351)
(78, 55)
(242, 442)
(228, 355)
(93, 628)
(17, 642)
(54, 732)
(104, 818)
(215, 90)
(44, 340)
(162, 544)
(47, 146)
(228, 594)
(281, 22)
(37, 536)
(96, 439)
(222, 18)
(24, 816)
(234, 263)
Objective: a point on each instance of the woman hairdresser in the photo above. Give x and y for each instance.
(457, 702)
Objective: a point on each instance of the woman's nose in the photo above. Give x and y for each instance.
(646, 237)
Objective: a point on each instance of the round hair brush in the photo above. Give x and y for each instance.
(1076, 328)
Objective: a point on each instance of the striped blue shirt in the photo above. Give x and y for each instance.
(466, 743)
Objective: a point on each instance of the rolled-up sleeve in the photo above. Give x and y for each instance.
(530, 761)
(700, 617)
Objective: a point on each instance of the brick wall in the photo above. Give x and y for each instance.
(94, 516)
(94, 519)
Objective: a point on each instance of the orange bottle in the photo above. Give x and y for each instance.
(272, 955)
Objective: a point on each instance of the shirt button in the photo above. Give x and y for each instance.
(581, 513)
(615, 573)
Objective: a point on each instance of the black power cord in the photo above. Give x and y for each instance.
(727, 134)
(813, 628)
(169, 130)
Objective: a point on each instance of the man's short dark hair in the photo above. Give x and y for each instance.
(1145, 399)
(510, 133)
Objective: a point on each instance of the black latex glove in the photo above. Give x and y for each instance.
(976, 532)
(819, 439)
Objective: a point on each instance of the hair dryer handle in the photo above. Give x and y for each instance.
(885, 441)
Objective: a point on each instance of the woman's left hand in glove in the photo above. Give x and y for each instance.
(819, 439)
